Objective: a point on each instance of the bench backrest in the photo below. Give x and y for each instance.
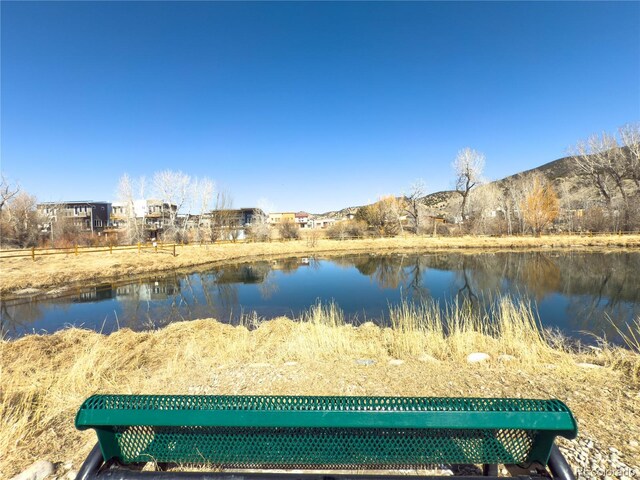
(324, 432)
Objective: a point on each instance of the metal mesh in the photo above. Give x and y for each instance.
(322, 447)
(292, 403)
(317, 432)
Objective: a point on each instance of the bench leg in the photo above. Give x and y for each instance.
(90, 467)
(560, 468)
(490, 470)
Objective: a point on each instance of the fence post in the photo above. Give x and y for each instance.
(138, 247)
(76, 249)
(33, 253)
(174, 249)
(111, 249)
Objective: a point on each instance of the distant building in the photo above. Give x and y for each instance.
(239, 218)
(277, 218)
(88, 216)
(302, 219)
(155, 215)
(322, 222)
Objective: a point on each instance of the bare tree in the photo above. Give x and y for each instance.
(221, 216)
(7, 190)
(613, 167)
(20, 221)
(134, 218)
(630, 139)
(413, 204)
(174, 188)
(203, 189)
(468, 167)
(483, 208)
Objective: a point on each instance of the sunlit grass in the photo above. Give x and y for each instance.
(46, 378)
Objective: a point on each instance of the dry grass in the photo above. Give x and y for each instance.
(61, 270)
(46, 378)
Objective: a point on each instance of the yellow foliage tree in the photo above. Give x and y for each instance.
(541, 206)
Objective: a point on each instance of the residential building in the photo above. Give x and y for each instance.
(277, 218)
(155, 215)
(88, 216)
(302, 219)
(241, 217)
(322, 222)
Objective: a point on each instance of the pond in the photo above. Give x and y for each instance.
(579, 293)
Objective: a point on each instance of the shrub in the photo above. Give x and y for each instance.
(346, 230)
(259, 232)
(289, 231)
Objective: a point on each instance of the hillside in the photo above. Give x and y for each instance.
(562, 173)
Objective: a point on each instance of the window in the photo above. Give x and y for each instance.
(97, 223)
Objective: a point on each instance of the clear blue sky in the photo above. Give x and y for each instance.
(315, 106)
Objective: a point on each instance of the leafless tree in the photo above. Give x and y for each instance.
(413, 204)
(630, 139)
(173, 188)
(203, 190)
(20, 221)
(134, 218)
(483, 208)
(8, 190)
(613, 167)
(221, 216)
(468, 167)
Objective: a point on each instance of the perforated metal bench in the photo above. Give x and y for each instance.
(268, 433)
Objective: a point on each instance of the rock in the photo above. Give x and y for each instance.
(395, 361)
(71, 475)
(634, 443)
(367, 325)
(506, 358)
(588, 365)
(478, 357)
(426, 358)
(38, 471)
(365, 361)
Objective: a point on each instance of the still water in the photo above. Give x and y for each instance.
(579, 293)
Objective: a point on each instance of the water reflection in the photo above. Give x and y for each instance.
(573, 291)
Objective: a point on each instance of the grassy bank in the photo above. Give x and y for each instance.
(47, 272)
(45, 378)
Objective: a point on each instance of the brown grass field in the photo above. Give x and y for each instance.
(45, 378)
(59, 271)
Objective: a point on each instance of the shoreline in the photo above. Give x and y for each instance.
(24, 276)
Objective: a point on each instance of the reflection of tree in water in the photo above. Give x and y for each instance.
(601, 288)
(393, 272)
(151, 304)
(16, 316)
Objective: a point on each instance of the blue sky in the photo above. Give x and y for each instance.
(313, 106)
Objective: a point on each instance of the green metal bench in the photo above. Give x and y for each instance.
(320, 433)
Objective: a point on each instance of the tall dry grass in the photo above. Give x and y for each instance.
(46, 378)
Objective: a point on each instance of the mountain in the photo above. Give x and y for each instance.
(563, 173)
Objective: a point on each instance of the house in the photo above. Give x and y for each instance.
(241, 217)
(155, 215)
(88, 216)
(322, 222)
(277, 218)
(302, 219)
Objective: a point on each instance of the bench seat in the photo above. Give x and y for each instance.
(330, 433)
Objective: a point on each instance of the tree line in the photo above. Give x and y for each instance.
(604, 198)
